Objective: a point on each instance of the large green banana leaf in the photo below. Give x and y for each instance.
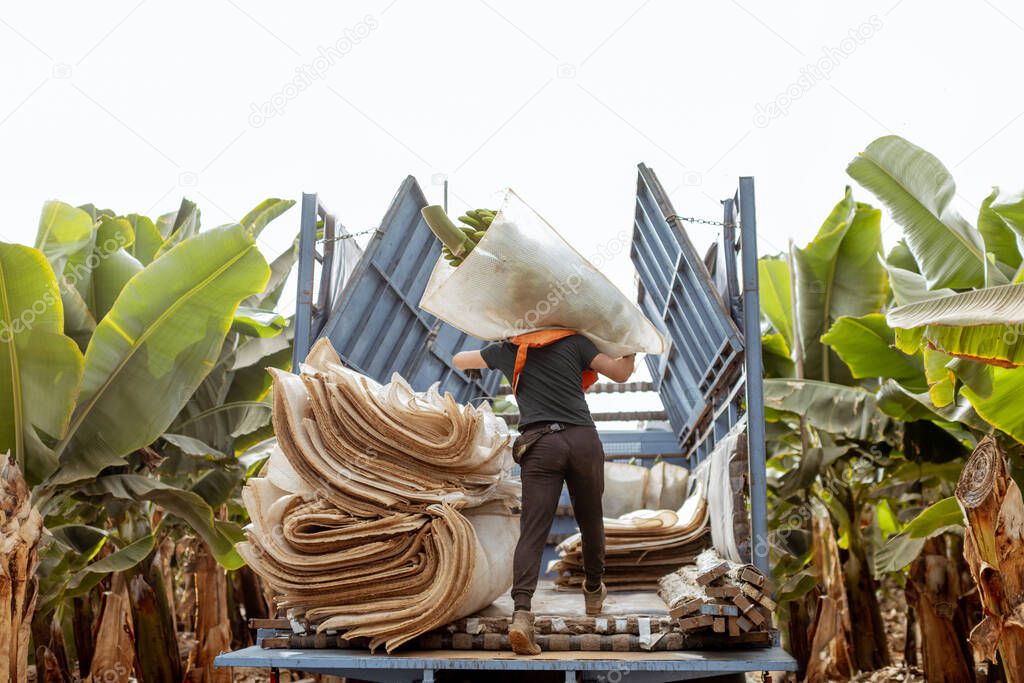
(147, 238)
(1001, 408)
(257, 322)
(909, 287)
(978, 376)
(40, 368)
(941, 380)
(280, 269)
(983, 325)
(155, 346)
(66, 236)
(901, 549)
(184, 224)
(776, 355)
(264, 213)
(1010, 207)
(1002, 253)
(866, 345)
(114, 265)
(775, 293)
(901, 257)
(838, 273)
(917, 188)
(834, 408)
(187, 505)
(902, 404)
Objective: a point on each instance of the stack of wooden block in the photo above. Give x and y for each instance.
(720, 600)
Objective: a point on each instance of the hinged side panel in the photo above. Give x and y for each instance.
(375, 322)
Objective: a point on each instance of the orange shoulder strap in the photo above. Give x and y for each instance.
(537, 339)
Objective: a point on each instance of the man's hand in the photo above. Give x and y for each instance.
(615, 369)
(469, 360)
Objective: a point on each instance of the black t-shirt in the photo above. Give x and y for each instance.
(550, 384)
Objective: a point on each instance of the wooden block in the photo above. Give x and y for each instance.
(734, 626)
(559, 642)
(713, 573)
(757, 638)
(431, 641)
(620, 642)
(743, 602)
(755, 616)
(462, 641)
(591, 642)
(673, 641)
(719, 609)
(270, 623)
(275, 643)
(751, 575)
(693, 623)
(744, 623)
(718, 625)
(751, 591)
(767, 603)
(687, 607)
(722, 591)
(493, 641)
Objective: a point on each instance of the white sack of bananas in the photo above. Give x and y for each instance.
(508, 272)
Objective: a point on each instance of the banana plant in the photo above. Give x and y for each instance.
(111, 326)
(959, 289)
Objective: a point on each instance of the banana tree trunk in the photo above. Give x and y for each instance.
(114, 658)
(20, 529)
(869, 645)
(798, 626)
(51, 655)
(994, 550)
(870, 650)
(246, 603)
(931, 590)
(156, 643)
(831, 630)
(213, 626)
(82, 620)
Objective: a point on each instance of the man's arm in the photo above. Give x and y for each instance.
(469, 360)
(615, 369)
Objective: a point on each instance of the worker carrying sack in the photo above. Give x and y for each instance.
(522, 277)
(536, 340)
(523, 343)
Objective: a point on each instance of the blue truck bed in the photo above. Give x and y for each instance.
(632, 667)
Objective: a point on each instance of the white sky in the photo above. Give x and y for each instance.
(132, 104)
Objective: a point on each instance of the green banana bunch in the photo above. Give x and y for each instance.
(476, 222)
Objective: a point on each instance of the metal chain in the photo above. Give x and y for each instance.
(350, 235)
(694, 219)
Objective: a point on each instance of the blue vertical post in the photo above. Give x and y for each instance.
(304, 287)
(754, 378)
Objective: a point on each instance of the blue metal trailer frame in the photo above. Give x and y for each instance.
(711, 377)
(632, 667)
(708, 380)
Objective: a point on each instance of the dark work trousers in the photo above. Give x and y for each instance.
(574, 456)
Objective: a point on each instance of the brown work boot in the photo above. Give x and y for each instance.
(594, 600)
(520, 634)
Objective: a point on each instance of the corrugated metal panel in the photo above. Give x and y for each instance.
(697, 377)
(376, 324)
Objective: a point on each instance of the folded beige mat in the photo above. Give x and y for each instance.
(641, 546)
(383, 512)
